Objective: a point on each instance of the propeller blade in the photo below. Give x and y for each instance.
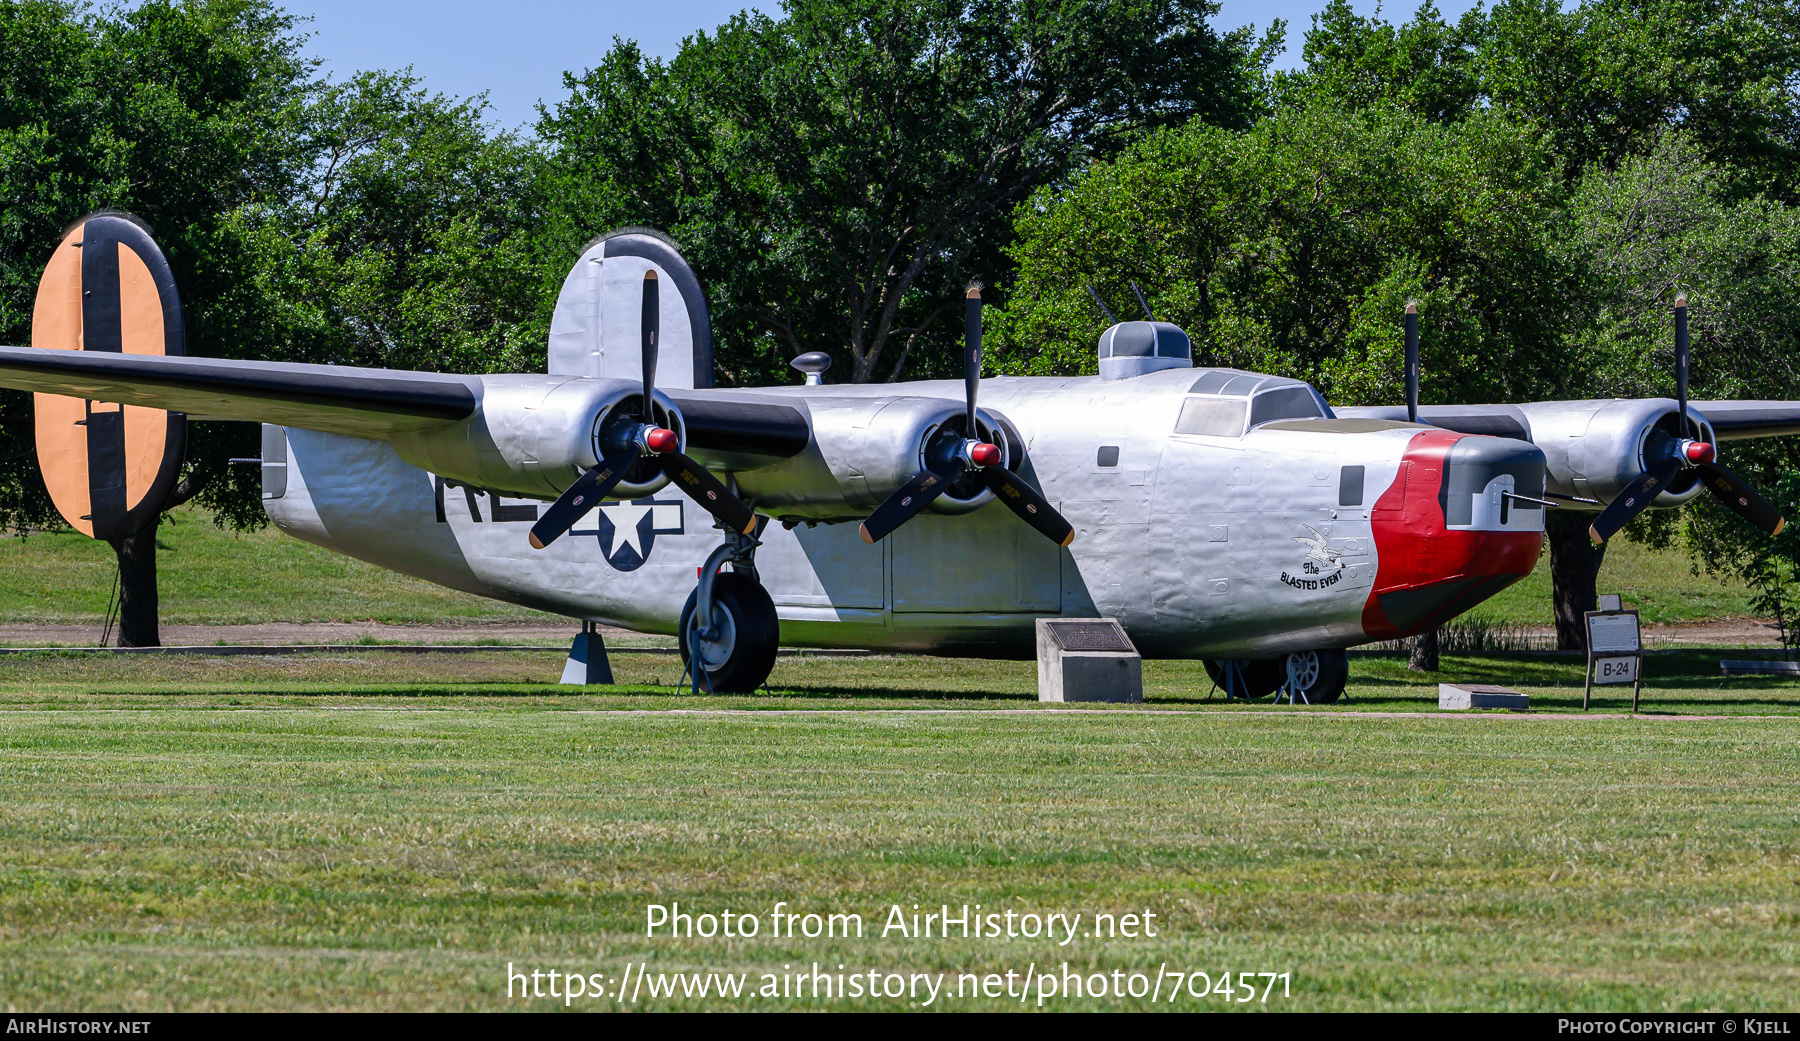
(1412, 361)
(582, 496)
(1635, 499)
(1741, 499)
(652, 325)
(971, 353)
(912, 497)
(1023, 499)
(1681, 359)
(708, 491)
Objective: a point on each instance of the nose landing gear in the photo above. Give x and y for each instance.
(1314, 677)
(1317, 677)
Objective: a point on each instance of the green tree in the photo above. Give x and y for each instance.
(1292, 248)
(180, 113)
(1607, 76)
(1425, 66)
(1604, 77)
(366, 222)
(1666, 223)
(839, 173)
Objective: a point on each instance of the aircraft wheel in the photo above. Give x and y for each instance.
(746, 633)
(1317, 677)
(1260, 678)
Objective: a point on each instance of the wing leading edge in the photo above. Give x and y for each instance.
(1731, 420)
(1737, 420)
(370, 403)
(336, 399)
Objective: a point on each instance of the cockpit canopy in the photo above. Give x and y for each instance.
(1227, 402)
(1133, 348)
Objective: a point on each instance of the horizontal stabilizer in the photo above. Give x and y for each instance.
(372, 403)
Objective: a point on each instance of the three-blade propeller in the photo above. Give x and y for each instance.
(949, 457)
(627, 438)
(1683, 453)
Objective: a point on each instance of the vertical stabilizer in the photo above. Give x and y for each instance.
(596, 329)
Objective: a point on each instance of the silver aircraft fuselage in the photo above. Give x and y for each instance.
(1297, 534)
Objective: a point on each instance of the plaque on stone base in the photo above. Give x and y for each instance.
(1087, 659)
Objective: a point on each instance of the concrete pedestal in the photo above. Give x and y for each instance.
(587, 664)
(1087, 659)
(1480, 695)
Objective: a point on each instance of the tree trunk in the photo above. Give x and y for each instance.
(137, 589)
(1573, 561)
(1424, 652)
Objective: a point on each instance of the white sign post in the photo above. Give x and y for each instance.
(1615, 653)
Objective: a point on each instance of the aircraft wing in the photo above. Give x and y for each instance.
(1736, 420)
(374, 403)
(1731, 420)
(1496, 420)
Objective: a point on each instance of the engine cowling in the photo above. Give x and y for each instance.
(531, 436)
(863, 449)
(1593, 449)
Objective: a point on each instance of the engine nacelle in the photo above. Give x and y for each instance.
(1593, 449)
(531, 436)
(863, 449)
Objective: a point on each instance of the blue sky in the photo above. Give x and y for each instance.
(517, 50)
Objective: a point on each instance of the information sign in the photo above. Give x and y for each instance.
(1615, 652)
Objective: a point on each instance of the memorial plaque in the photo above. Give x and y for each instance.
(1613, 633)
(1087, 659)
(1089, 636)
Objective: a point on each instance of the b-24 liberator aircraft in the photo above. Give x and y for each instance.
(1218, 514)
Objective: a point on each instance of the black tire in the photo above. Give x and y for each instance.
(754, 635)
(1260, 678)
(1319, 676)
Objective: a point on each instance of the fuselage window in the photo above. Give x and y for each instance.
(1350, 486)
(1107, 456)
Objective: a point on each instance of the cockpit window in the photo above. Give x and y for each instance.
(1212, 417)
(1284, 403)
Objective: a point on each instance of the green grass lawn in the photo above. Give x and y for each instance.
(365, 831)
(1662, 585)
(1686, 682)
(209, 576)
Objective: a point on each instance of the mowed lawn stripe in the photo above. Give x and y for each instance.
(1420, 863)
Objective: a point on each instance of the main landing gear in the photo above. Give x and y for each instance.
(728, 645)
(1314, 677)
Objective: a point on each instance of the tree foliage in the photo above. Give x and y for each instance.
(180, 113)
(839, 173)
(366, 222)
(1292, 247)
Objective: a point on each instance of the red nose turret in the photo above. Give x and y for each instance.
(661, 440)
(984, 455)
(1698, 452)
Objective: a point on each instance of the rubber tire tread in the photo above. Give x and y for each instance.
(1334, 675)
(758, 633)
(1262, 677)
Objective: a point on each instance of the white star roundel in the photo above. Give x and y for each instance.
(627, 530)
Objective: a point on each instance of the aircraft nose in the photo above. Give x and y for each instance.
(1458, 525)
